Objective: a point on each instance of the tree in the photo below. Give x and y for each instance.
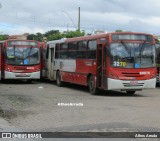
(51, 32)
(30, 37)
(72, 34)
(38, 37)
(118, 30)
(3, 37)
(56, 35)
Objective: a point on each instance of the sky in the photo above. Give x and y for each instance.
(32, 16)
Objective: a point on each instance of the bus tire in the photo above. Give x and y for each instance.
(131, 92)
(92, 88)
(58, 80)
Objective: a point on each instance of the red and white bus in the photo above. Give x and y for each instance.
(113, 61)
(21, 60)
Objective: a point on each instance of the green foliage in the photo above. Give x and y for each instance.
(38, 37)
(51, 32)
(3, 37)
(51, 35)
(72, 34)
(119, 30)
(56, 35)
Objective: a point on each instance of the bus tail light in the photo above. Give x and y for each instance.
(113, 75)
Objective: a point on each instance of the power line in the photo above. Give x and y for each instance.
(69, 18)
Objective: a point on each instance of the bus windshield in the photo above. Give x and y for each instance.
(23, 55)
(132, 55)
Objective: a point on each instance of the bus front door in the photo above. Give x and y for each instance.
(101, 67)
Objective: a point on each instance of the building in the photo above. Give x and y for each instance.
(19, 37)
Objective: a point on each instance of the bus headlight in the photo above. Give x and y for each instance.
(153, 76)
(113, 75)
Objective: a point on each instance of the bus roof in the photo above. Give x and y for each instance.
(92, 37)
(57, 41)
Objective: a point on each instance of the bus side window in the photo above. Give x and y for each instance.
(72, 50)
(64, 51)
(91, 51)
(82, 48)
(57, 52)
(1, 45)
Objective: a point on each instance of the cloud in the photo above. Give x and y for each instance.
(41, 16)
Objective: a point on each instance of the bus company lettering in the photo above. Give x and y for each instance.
(144, 72)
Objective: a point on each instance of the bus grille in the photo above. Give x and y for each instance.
(20, 68)
(132, 74)
(133, 85)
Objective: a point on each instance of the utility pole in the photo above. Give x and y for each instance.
(79, 19)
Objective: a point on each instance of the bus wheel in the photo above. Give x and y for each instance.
(92, 88)
(58, 80)
(131, 92)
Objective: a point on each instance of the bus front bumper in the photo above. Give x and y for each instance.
(114, 84)
(12, 75)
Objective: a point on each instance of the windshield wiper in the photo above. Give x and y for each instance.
(29, 54)
(126, 48)
(130, 58)
(140, 53)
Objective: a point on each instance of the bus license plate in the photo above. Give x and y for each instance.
(133, 82)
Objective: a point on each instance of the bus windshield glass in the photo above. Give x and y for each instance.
(132, 55)
(23, 55)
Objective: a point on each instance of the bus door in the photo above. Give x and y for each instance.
(52, 63)
(101, 66)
